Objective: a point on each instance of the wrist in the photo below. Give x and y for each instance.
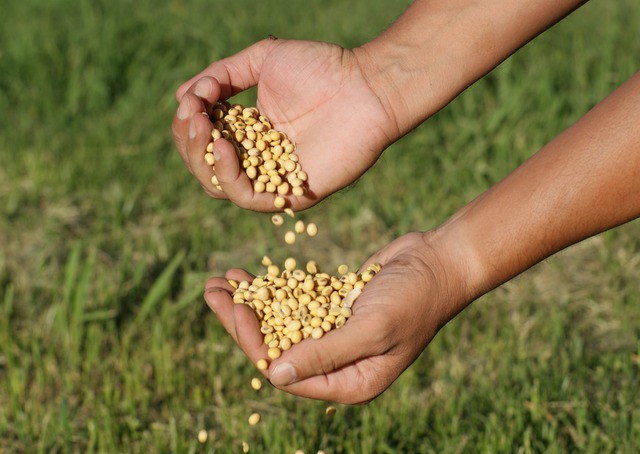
(411, 83)
(429, 56)
(438, 48)
(463, 247)
(456, 267)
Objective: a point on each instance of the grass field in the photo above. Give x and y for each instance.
(105, 242)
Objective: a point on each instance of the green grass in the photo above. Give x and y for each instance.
(105, 343)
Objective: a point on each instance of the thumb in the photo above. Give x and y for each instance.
(348, 365)
(235, 73)
(336, 349)
(234, 181)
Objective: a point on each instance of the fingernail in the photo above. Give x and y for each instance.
(183, 108)
(192, 130)
(209, 291)
(216, 152)
(203, 88)
(283, 374)
(210, 306)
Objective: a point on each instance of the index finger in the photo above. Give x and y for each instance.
(235, 73)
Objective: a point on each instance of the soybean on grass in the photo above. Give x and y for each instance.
(105, 343)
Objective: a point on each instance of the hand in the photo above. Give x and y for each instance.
(419, 289)
(315, 92)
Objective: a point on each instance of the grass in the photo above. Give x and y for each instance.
(105, 343)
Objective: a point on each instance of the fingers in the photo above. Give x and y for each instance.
(187, 121)
(248, 335)
(237, 319)
(199, 137)
(192, 131)
(181, 121)
(217, 295)
(197, 100)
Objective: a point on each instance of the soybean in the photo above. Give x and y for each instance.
(256, 383)
(312, 229)
(254, 419)
(290, 237)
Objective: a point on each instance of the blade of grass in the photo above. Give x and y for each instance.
(159, 290)
(186, 300)
(70, 274)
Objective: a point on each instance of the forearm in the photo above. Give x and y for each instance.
(438, 48)
(582, 183)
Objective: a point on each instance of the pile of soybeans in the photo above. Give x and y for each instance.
(267, 156)
(293, 305)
